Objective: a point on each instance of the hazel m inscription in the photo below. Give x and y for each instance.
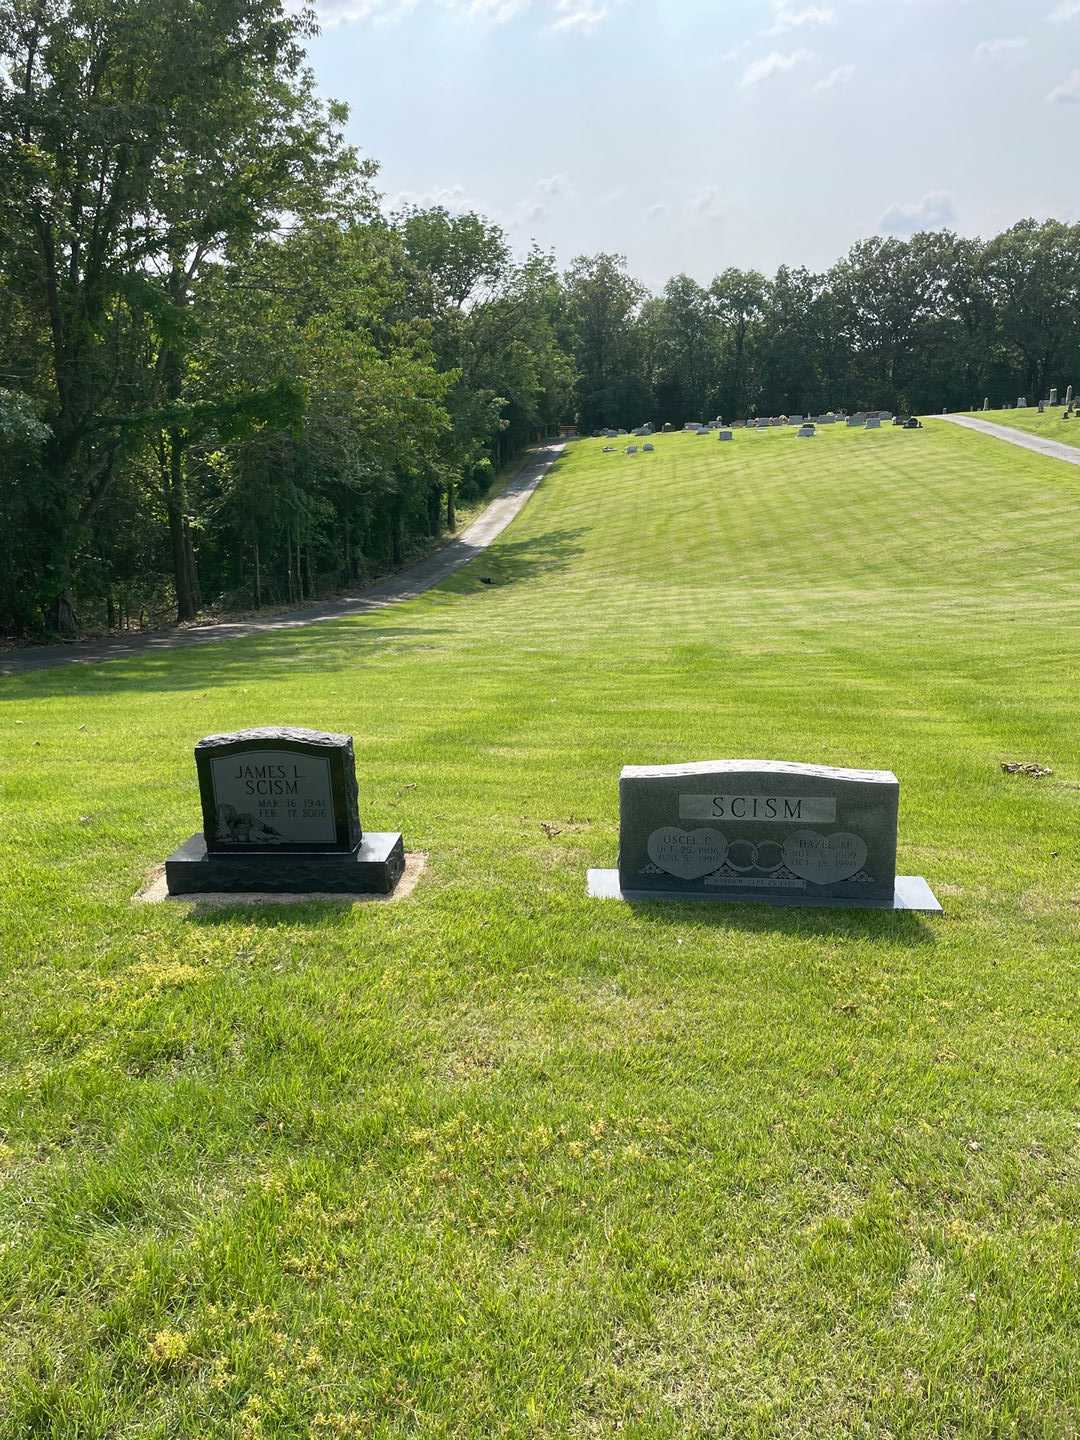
(770, 830)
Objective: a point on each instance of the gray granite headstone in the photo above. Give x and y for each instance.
(1069, 396)
(723, 435)
(764, 830)
(281, 814)
(873, 423)
(986, 402)
(1053, 395)
(805, 432)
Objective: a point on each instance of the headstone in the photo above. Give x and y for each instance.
(773, 831)
(1053, 396)
(986, 403)
(649, 449)
(1021, 402)
(724, 435)
(806, 432)
(667, 428)
(854, 422)
(795, 419)
(1041, 407)
(1069, 396)
(281, 814)
(609, 449)
(874, 423)
(631, 449)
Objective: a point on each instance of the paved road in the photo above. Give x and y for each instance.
(404, 585)
(1054, 448)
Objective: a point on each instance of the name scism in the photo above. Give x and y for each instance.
(818, 809)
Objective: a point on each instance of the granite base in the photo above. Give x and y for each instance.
(372, 869)
(911, 893)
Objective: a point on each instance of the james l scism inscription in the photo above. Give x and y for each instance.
(293, 789)
(273, 798)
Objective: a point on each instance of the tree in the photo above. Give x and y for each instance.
(738, 297)
(602, 305)
(139, 138)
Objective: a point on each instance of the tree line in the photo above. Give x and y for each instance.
(228, 376)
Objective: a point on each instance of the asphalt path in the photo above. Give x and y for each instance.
(402, 585)
(1056, 449)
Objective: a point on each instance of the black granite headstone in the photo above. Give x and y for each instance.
(766, 830)
(281, 814)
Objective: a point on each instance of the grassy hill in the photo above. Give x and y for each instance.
(499, 1160)
(1048, 426)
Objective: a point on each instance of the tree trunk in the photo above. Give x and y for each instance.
(451, 514)
(61, 617)
(181, 553)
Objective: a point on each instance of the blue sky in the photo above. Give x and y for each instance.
(691, 135)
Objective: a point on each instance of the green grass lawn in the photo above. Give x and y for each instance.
(1048, 426)
(501, 1161)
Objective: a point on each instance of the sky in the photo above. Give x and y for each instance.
(690, 135)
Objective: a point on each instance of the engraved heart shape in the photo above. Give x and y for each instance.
(689, 854)
(824, 859)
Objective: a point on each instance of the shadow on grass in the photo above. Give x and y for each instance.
(193, 661)
(325, 913)
(898, 927)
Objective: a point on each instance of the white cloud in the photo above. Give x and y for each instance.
(789, 18)
(1013, 47)
(709, 203)
(578, 15)
(581, 15)
(657, 211)
(835, 80)
(1066, 10)
(935, 211)
(451, 197)
(1068, 92)
(557, 186)
(775, 63)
